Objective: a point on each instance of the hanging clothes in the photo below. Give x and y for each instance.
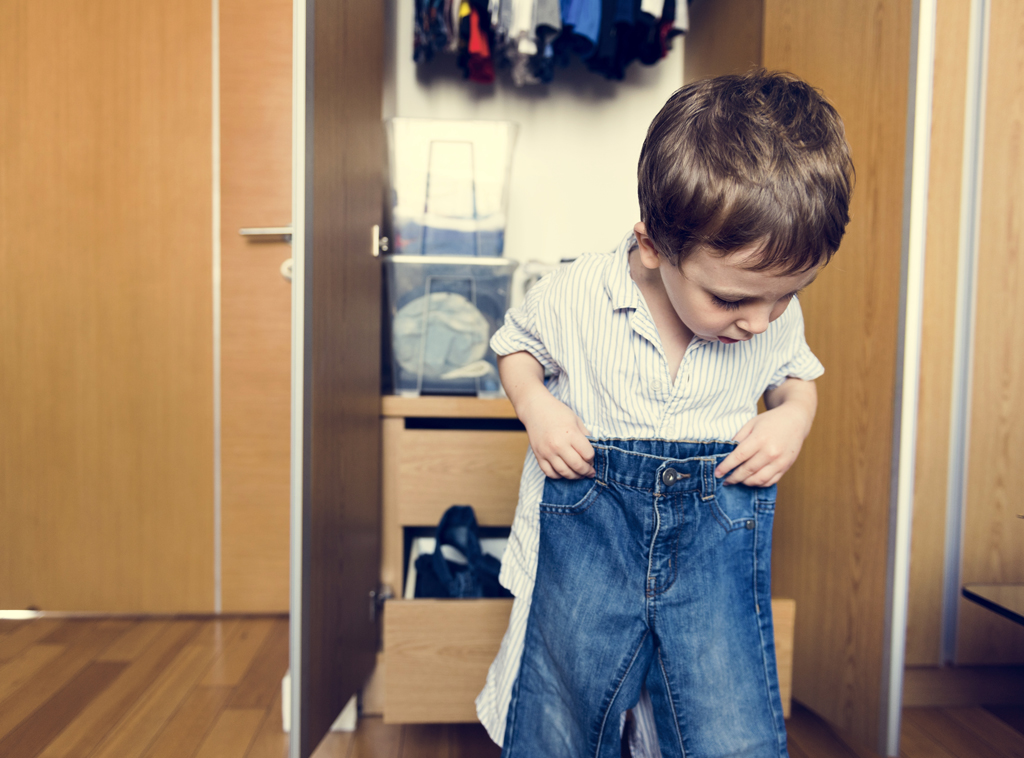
(533, 38)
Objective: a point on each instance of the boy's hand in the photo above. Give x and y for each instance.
(558, 438)
(770, 442)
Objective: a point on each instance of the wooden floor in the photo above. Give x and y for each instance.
(207, 688)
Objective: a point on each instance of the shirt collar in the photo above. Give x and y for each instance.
(622, 290)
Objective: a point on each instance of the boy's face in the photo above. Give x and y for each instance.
(717, 298)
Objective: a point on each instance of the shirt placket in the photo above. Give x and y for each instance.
(681, 392)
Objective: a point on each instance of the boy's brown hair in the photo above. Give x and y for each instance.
(737, 160)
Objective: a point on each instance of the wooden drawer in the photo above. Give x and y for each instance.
(437, 653)
(427, 470)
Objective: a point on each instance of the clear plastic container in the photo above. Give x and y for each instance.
(442, 311)
(449, 185)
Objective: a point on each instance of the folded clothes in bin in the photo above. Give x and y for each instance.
(456, 563)
(456, 339)
(442, 312)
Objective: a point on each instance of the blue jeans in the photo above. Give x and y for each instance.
(651, 573)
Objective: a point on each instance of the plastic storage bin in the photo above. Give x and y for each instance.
(442, 312)
(449, 185)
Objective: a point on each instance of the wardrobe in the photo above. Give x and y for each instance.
(842, 534)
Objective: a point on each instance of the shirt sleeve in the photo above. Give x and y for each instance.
(797, 359)
(523, 329)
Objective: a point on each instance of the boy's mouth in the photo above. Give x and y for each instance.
(727, 340)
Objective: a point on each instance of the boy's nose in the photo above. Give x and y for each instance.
(755, 322)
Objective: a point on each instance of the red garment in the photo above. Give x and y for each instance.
(480, 65)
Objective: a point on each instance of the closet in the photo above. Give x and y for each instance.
(843, 529)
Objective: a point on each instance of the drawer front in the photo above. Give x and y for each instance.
(428, 470)
(436, 656)
(437, 652)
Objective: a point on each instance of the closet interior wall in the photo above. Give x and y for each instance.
(573, 183)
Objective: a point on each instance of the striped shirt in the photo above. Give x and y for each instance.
(589, 327)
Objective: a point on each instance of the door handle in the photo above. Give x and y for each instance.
(379, 244)
(267, 233)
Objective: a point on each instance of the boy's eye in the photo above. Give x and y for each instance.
(729, 305)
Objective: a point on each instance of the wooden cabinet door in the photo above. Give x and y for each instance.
(837, 549)
(338, 166)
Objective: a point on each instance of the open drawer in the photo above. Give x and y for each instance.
(438, 652)
(437, 655)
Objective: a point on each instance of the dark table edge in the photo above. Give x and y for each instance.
(985, 603)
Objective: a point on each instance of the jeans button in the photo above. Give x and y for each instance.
(670, 476)
(750, 523)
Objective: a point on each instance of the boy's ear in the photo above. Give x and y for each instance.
(649, 256)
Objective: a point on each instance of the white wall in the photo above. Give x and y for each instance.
(574, 170)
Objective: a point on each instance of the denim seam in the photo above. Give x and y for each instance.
(671, 704)
(611, 702)
(673, 562)
(508, 743)
(579, 507)
(661, 457)
(648, 590)
(764, 656)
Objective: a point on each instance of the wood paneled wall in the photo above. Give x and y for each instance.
(727, 39)
(927, 562)
(256, 164)
(832, 527)
(106, 449)
(994, 532)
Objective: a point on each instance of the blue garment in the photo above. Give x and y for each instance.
(654, 573)
(584, 16)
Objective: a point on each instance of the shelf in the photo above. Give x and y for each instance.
(445, 406)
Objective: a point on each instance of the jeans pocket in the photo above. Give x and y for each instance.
(735, 505)
(569, 495)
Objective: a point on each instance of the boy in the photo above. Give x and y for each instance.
(640, 551)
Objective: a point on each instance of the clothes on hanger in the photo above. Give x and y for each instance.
(532, 38)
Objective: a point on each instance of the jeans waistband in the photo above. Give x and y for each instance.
(661, 465)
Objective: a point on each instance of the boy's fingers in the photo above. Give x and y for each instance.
(745, 469)
(585, 449)
(564, 469)
(579, 466)
(754, 473)
(549, 472)
(732, 460)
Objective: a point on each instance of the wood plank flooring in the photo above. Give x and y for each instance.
(211, 688)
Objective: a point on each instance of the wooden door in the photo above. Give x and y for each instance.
(835, 541)
(106, 370)
(336, 293)
(256, 167)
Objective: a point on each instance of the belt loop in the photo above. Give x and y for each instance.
(708, 481)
